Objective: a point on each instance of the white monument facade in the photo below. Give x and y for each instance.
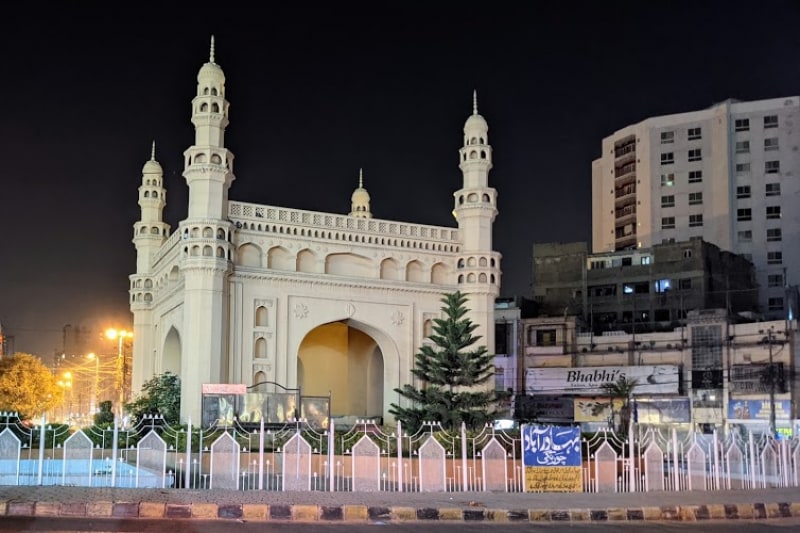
(332, 304)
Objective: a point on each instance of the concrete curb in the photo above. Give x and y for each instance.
(367, 514)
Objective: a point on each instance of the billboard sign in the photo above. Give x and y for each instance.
(661, 379)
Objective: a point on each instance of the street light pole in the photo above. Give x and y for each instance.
(120, 336)
(96, 384)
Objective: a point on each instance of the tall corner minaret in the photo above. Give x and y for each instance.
(206, 247)
(478, 265)
(359, 201)
(149, 234)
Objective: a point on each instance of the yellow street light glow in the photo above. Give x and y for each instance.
(112, 333)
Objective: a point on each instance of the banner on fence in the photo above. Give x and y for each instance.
(551, 457)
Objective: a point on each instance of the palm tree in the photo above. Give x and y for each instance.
(621, 389)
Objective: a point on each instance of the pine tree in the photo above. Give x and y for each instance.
(452, 374)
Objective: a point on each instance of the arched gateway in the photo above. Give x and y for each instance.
(332, 304)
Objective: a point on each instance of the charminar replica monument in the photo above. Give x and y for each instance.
(330, 304)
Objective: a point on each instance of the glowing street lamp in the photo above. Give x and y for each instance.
(120, 335)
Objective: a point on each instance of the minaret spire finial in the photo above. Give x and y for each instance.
(211, 56)
(475, 102)
(153, 151)
(360, 178)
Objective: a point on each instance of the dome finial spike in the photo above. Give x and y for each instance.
(153, 151)
(475, 102)
(360, 178)
(211, 55)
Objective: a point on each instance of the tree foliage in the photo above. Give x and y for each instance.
(27, 386)
(161, 395)
(452, 374)
(622, 389)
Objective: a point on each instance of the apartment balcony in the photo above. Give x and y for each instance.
(626, 241)
(624, 196)
(625, 215)
(626, 151)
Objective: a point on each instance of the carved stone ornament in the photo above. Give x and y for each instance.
(397, 318)
(300, 311)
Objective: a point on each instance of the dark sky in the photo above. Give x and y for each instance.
(318, 92)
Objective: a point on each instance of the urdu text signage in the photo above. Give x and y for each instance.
(661, 379)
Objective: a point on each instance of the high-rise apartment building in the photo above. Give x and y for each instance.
(729, 174)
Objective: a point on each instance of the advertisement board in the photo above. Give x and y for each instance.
(597, 409)
(739, 410)
(551, 457)
(663, 411)
(661, 379)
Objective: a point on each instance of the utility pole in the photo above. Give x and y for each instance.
(772, 379)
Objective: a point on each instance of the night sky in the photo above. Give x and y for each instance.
(317, 93)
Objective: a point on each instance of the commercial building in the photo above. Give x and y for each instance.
(645, 288)
(728, 174)
(709, 374)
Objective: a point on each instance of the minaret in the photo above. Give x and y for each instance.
(478, 266)
(359, 201)
(206, 242)
(149, 234)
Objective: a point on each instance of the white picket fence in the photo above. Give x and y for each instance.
(364, 458)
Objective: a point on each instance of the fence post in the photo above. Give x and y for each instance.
(675, 472)
(114, 452)
(331, 455)
(752, 446)
(261, 454)
(632, 479)
(399, 456)
(463, 456)
(42, 438)
(188, 473)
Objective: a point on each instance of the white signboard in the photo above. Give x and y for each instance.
(662, 379)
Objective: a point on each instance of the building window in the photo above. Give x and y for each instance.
(685, 283)
(774, 234)
(772, 167)
(773, 211)
(667, 137)
(687, 253)
(695, 176)
(775, 304)
(596, 265)
(742, 124)
(695, 133)
(743, 147)
(695, 155)
(695, 198)
(545, 337)
(773, 189)
(771, 121)
(774, 258)
(775, 280)
(668, 223)
(695, 221)
(667, 158)
(668, 201)
(743, 191)
(741, 168)
(745, 236)
(770, 144)
(646, 260)
(667, 180)
(744, 214)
